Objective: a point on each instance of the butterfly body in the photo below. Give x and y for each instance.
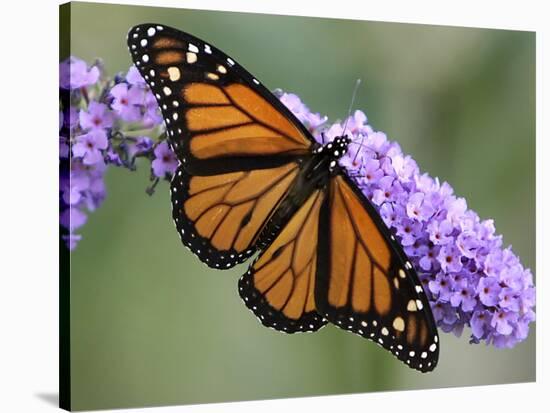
(253, 180)
(315, 173)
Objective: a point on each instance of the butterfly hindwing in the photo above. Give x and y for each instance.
(366, 285)
(279, 286)
(220, 217)
(219, 118)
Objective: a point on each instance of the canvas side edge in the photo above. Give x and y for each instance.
(64, 253)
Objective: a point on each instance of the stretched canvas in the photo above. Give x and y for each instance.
(353, 212)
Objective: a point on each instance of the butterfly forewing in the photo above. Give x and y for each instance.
(219, 118)
(366, 285)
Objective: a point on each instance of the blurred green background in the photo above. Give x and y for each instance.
(151, 325)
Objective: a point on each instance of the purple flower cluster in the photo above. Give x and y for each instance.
(470, 279)
(103, 123)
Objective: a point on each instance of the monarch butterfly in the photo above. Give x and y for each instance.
(252, 179)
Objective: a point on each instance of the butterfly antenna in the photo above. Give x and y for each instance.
(358, 147)
(357, 83)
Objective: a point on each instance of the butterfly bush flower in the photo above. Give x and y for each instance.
(75, 73)
(470, 279)
(165, 162)
(90, 146)
(96, 117)
(126, 101)
(103, 123)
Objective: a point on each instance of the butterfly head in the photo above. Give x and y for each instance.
(335, 149)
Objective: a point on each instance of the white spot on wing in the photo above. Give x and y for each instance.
(174, 73)
(399, 324)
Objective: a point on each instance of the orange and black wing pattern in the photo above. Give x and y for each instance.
(279, 287)
(219, 118)
(366, 285)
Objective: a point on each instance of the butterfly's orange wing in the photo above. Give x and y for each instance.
(366, 285)
(218, 116)
(279, 286)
